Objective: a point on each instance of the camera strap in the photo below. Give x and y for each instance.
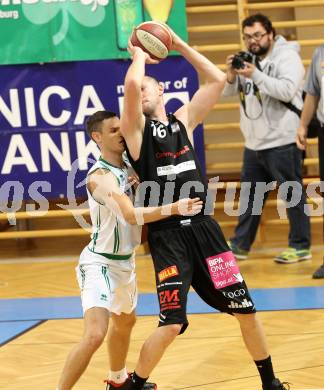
(289, 105)
(313, 126)
(256, 92)
(292, 108)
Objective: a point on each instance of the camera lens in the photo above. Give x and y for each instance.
(238, 62)
(240, 58)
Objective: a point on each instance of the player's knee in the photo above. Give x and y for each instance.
(94, 338)
(171, 331)
(246, 319)
(131, 320)
(124, 324)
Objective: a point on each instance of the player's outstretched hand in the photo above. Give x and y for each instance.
(176, 40)
(189, 206)
(132, 50)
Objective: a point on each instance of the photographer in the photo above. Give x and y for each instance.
(267, 77)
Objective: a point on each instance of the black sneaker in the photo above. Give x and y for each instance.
(127, 385)
(319, 273)
(240, 254)
(149, 386)
(277, 385)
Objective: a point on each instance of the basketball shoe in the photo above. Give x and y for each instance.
(277, 385)
(292, 255)
(240, 254)
(127, 385)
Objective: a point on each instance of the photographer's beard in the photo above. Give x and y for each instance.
(260, 50)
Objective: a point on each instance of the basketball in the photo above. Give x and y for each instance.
(154, 38)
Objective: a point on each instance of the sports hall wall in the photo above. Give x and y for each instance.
(43, 151)
(71, 61)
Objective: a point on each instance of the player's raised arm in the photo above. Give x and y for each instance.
(207, 95)
(132, 118)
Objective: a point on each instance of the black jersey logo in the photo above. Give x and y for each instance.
(175, 127)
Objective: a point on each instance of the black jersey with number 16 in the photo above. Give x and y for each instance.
(168, 164)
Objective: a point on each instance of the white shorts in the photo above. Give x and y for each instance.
(110, 284)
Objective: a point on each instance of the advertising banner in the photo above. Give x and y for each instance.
(43, 146)
(37, 31)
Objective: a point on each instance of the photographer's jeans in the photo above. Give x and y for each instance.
(279, 164)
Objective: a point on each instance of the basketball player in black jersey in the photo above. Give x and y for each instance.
(185, 251)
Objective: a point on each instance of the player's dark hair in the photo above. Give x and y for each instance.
(94, 121)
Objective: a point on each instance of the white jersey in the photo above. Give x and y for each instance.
(112, 237)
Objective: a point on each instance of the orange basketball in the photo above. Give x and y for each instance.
(154, 38)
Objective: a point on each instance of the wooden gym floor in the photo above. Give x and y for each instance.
(209, 356)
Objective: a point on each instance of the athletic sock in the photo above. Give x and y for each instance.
(118, 376)
(137, 381)
(266, 371)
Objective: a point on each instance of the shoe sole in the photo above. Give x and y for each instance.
(282, 261)
(318, 277)
(319, 274)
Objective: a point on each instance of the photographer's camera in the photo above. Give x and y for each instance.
(240, 58)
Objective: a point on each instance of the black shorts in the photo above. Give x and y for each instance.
(194, 252)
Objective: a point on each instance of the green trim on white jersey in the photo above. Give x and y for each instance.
(111, 256)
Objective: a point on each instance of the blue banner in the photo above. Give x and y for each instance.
(44, 150)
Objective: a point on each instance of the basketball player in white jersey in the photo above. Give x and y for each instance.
(106, 270)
